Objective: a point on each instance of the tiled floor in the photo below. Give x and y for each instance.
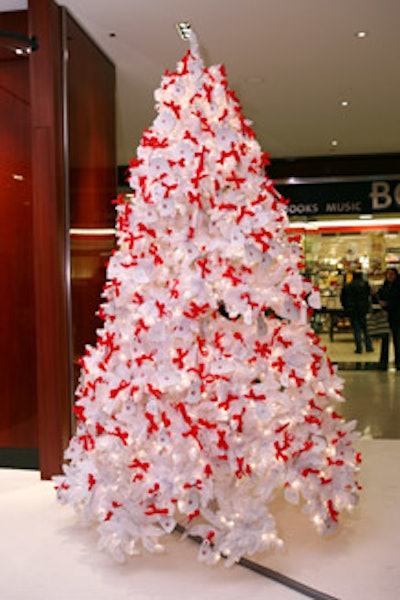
(373, 399)
(342, 349)
(372, 396)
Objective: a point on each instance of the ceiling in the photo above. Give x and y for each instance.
(290, 62)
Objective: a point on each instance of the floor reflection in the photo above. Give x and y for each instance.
(372, 396)
(373, 399)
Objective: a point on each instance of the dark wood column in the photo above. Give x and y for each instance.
(50, 229)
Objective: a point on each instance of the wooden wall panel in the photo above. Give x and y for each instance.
(74, 174)
(91, 118)
(54, 163)
(50, 237)
(18, 415)
(92, 177)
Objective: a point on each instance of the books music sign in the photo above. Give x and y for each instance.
(342, 197)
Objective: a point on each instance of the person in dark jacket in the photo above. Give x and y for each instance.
(356, 301)
(389, 299)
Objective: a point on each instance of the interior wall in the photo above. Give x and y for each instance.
(72, 95)
(18, 415)
(92, 179)
(57, 170)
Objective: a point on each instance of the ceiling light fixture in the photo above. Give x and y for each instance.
(361, 34)
(18, 43)
(345, 103)
(334, 143)
(184, 28)
(95, 231)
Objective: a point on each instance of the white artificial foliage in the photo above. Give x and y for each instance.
(207, 392)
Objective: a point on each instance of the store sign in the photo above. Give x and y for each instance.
(342, 198)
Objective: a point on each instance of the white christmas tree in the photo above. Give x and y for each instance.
(207, 392)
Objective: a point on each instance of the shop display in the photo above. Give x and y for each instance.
(207, 393)
(331, 257)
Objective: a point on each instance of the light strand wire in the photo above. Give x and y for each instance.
(267, 572)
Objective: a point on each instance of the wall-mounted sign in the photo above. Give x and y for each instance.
(342, 198)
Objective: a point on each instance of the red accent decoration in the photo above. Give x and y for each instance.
(196, 310)
(152, 424)
(195, 199)
(99, 429)
(239, 419)
(202, 262)
(306, 472)
(278, 364)
(179, 358)
(230, 274)
(251, 395)
(80, 412)
(176, 108)
(188, 136)
(225, 404)
(237, 181)
(137, 464)
(154, 142)
(143, 357)
(201, 344)
(153, 510)
(335, 415)
(208, 471)
(260, 237)
(333, 513)
(144, 229)
(154, 391)
(122, 435)
(87, 441)
(242, 213)
(242, 469)
(122, 386)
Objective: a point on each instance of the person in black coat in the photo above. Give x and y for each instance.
(389, 299)
(356, 301)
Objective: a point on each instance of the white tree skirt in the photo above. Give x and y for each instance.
(45, 554)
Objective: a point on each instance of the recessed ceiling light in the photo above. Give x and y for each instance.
(334, 143)
(361, 34)
(184, 28)
(345, 103)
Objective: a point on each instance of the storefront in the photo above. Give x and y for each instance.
(344, 225)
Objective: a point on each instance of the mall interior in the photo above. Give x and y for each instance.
(59, 176)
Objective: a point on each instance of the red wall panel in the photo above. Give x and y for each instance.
(48, 174)
(18, 414)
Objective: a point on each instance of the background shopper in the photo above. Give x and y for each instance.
(356, 301)
(389, 299)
